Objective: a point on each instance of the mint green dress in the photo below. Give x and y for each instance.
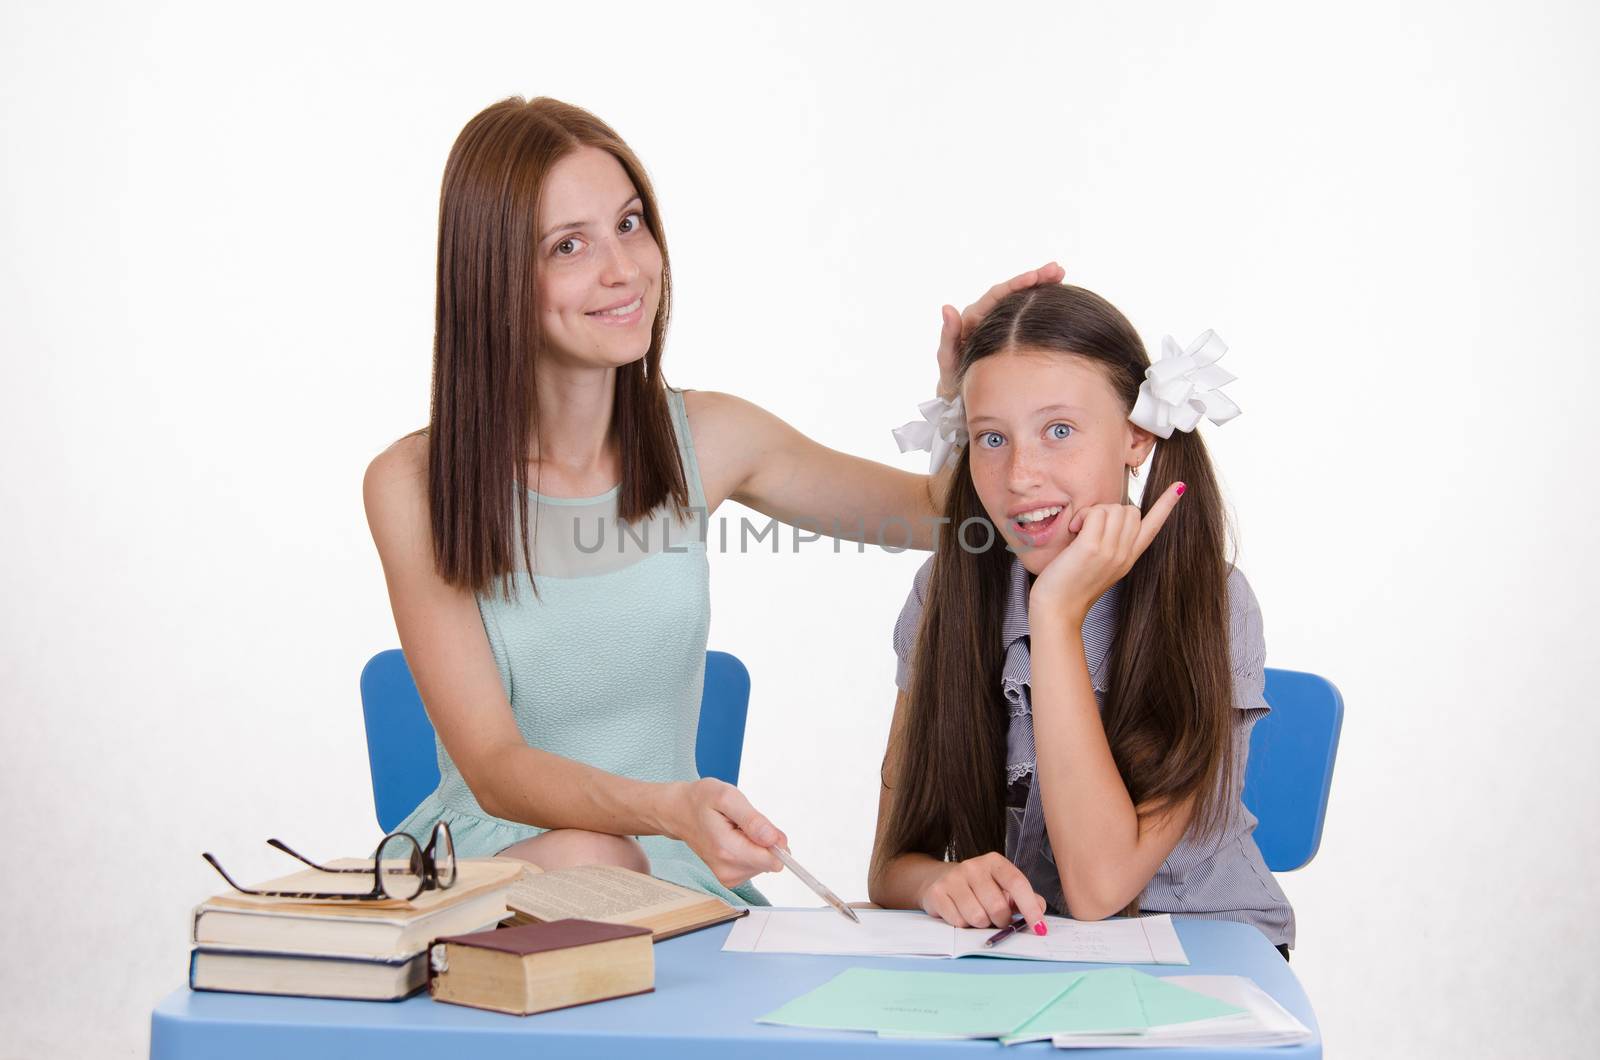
(605, 665)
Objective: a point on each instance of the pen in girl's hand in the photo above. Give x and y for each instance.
(1017, 924)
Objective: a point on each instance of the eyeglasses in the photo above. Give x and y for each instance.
(400, 869)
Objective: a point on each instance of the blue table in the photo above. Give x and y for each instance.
(704, 1006)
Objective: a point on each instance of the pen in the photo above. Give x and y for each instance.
(815, 884)
(1017, 924)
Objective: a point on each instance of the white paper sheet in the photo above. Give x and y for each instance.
(906, 933)
(1265, 1022)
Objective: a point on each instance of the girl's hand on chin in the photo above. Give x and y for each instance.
(1110, 538)
(983, 891)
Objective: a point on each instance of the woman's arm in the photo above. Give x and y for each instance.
(1106, 849)
(448, 653)
(977, 892)
(751, 456)
(757, 459)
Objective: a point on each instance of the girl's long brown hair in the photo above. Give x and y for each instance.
(487, 340)
(1168, 707)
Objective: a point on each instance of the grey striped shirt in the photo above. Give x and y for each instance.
(1223, 877)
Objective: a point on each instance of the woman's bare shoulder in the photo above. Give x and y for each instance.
(715, 409)
(395, 488)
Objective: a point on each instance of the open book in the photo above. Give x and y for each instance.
(615, 896)
(905, 933)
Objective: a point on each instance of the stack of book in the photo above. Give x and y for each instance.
(362, 950)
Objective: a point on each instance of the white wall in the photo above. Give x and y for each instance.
(216, 307)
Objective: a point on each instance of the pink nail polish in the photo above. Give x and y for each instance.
(1040, 929)
(1181, 488)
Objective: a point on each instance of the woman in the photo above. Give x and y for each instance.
(564, 683)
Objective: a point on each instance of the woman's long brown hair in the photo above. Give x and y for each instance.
(1168, 707)
(487, 340)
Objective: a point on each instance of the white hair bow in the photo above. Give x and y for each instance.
(1182, 386)
(941, 431)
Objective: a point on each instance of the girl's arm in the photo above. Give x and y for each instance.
(978, 892)
(448, 652)
(1105, 849)
(751, 456)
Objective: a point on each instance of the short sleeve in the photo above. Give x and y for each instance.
(1247, 647)
(905, 627)
(1247, 651)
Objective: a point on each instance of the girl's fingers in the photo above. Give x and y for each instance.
(944, 907)
(1128, 535)
(1089, 525)
(995, 901)
(968, 905)
(1157, 517)
(1020, 892)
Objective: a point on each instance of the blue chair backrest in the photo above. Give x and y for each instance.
(1290, 770)
(400, 741)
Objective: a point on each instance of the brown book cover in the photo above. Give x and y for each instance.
(540, 967)
(540, 938)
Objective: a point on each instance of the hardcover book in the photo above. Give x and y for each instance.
(539, 967)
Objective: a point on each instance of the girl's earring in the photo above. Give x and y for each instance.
(1135, 472)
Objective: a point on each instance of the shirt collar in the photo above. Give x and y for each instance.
(1099, 626)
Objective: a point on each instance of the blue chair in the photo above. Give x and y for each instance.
(1290, 771)
(400, 739)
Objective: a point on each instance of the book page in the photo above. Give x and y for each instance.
(599, 892)
(1135, 940)
(912, 933)
(882, 932)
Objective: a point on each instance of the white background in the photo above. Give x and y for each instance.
(217, 306)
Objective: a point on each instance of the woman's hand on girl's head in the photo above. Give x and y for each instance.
(719, 824)
(1109, 539)
(958, 325)
(984, 891)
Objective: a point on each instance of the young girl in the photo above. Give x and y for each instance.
(543, 538)
(1077, 690)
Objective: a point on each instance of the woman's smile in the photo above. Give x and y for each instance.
(619, 314)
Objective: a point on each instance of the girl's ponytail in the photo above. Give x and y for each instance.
(1168, 711)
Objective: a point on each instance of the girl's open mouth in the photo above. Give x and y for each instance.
(1035, 526)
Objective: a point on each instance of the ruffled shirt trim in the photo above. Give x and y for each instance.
(1099, 633)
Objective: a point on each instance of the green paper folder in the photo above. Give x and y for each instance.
(935, 1004)
(1166, 1003)
(1118, 1001)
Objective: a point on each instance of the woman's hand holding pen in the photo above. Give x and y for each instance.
(719, 824)
(985, 891)
(1109, 540)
